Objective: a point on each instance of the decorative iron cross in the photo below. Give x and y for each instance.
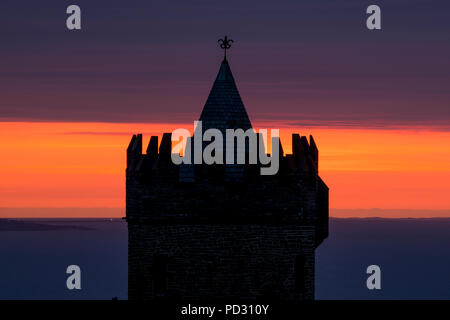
(225, 44)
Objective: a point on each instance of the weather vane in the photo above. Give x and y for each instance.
(225, 44)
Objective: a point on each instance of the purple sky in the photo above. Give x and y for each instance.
(306, 62)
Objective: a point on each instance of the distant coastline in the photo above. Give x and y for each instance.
(22, 225)
(118, 213)
(56, 224)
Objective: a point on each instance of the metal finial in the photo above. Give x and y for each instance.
(225, 44)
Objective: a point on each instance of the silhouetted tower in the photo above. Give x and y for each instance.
(207, 232)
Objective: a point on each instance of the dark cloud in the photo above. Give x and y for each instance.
(150, 61)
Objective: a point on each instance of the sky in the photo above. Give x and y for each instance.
(377, 102)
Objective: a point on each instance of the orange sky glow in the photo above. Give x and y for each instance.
(82, 165)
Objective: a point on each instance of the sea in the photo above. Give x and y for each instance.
(413, 256)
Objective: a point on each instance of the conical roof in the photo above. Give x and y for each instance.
(224, 108)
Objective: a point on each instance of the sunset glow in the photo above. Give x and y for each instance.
(82, 165)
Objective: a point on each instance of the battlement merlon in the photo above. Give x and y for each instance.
(152, 148)
(134, 151)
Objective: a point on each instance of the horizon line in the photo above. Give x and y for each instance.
(105, 213)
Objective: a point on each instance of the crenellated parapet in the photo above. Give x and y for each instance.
(304, 158)
(159, 190)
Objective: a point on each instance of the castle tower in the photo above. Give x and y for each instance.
(195, 234)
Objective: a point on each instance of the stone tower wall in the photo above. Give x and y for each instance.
(209, 262)
(217, 239)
